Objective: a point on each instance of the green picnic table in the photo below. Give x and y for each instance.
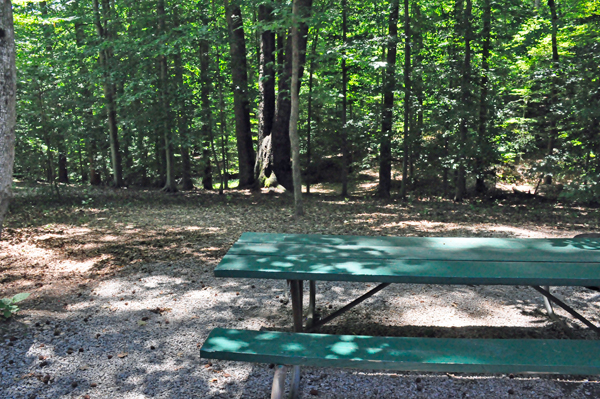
(538, 263)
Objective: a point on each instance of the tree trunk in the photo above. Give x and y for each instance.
(345, 152)
(182, 114)
(407, 99)
(7, 105)
(417, 73)
(241, 103)
(266, 108)
(207, 181)
(553, 134)
(295, 109)
(105, 59)
(280, 138)
(310, 107)
(165, 98)
(482, 149)
(389, 84)
(63, 174)
(461, 187)
(91, 149)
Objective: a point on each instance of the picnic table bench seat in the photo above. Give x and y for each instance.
(550, 356)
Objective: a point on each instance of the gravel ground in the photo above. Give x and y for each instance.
(138, 335)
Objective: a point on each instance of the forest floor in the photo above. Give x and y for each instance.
(88, 252)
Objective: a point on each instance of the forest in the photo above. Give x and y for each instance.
(446, 97)
(150, 137)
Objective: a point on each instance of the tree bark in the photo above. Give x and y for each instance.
(241, 103)
(295, 109)
(417, 81)
(553, 133)
(345, 152)
(482, 145)
(407, 99)
(182, 114)
(7, 105)
(207, 181)
(63, 174)
(170, 185)
(389, 84)
(280, 141)
(105, 59)
(310, 106)
(266, 108)
(461, 187)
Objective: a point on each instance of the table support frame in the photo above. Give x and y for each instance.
(313, 324)
(549, 297)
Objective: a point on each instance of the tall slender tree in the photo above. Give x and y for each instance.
(207, 125)
(280, 139)
(310, 104)
(182, 107)
(165, 98)
(482, 141)
(239, 74)
(266, 108)
(295, 109)
(104, 28)
(345, 151)
(387, 120)
(461, 185)
(7, 105)
(553, 132)
(407, 99)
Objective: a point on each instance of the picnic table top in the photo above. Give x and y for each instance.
(421, 260)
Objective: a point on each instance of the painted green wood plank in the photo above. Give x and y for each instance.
(432, 249)
(315, 267)
(405, 353)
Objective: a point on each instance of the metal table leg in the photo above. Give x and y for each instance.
(296, 294)
(310, 321)
(548, 304)
(278, 389)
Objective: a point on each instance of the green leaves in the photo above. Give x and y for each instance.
(8, 307)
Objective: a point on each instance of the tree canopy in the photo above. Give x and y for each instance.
(448, 95)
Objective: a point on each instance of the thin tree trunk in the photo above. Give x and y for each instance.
(345, 152)
(553, 133)
(91, 149)
(83, 176)
(7, 105)
(461, 187)
(483, 103)
(417, 73)
(295, 109)
(407, 99)
(385, 147)
(170, 185)
(182, 115)
(280, 141)
(280, 138)
(105, 59)
(63, 174)
(207, 182)
(309, 107)
(239, 74)
(223, 127)
(266, 108)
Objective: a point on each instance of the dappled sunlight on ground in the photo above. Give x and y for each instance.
(151, 255)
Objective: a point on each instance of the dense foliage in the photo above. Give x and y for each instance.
(127, 92)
